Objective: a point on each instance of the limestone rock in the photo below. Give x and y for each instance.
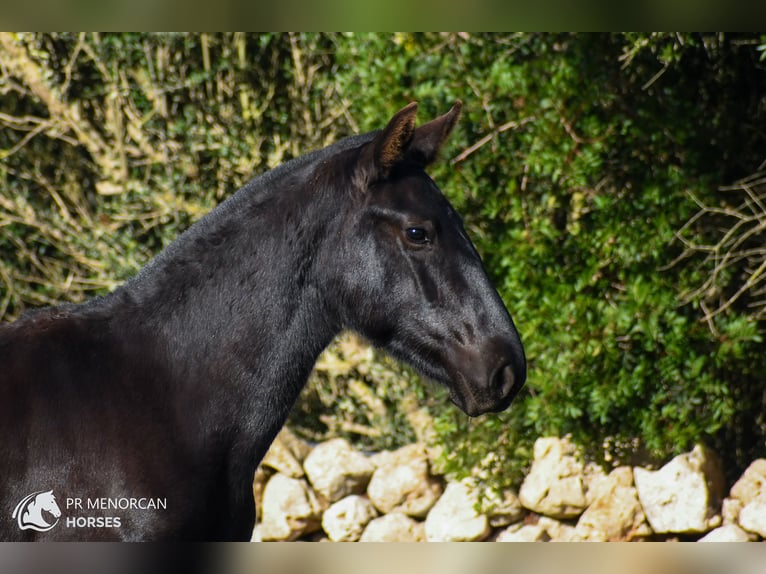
(557, 530)
(299, 448)
(394, 527)
(684, 495)
(752, 483)
(454, 518)
(402, 483)
(752, 517)
(336, 470)
(259, 484)
(403, 455)
(726, 533)
(286, 454)
(290, 509)
(503, 509)
(615, 513)
(730, 510)
(750, 487)
(555, 485)
(523, 533)
(596, 482)
(281, 460)
(345, 520)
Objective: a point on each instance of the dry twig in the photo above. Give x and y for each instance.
(736, 256)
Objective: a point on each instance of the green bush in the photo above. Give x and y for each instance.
(581, 166)
(597, 145)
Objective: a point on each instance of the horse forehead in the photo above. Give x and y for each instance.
(44, 497)
(416, 193)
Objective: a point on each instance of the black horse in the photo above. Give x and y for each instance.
(145, 413)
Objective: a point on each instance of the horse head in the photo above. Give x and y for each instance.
(28, 512)
(47, 501)
(411, 279)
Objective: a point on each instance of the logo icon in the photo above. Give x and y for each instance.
(29, 512)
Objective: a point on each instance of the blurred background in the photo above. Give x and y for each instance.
(614, 184)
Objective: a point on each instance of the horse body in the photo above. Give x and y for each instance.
(176, 384)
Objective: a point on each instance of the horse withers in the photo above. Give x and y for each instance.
(147, 411)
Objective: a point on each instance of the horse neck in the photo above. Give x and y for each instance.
(236, 309)
(34, 510)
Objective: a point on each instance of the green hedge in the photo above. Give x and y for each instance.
(582, 165)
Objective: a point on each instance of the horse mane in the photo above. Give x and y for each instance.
(258, 189)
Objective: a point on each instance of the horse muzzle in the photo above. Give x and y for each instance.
(488, 379)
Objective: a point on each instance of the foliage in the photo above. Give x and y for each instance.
(359, 394)
(113, 143)
(592, 150)
(581, 166)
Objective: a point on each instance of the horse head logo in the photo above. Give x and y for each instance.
(29, 512)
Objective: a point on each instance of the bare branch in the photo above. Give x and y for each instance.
(512, 125)
(736, 258)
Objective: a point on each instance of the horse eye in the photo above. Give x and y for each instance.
(417, 235)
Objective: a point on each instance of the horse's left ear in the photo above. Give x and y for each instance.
(389, 146)
(428, 139)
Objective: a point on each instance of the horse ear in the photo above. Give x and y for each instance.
(390, 145)
(428, 138)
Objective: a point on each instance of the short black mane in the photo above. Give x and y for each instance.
(256, 189)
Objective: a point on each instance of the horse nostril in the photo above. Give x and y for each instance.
(504, 379)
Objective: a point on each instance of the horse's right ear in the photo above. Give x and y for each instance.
(390, 144)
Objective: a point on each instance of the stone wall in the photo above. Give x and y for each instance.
(332, 492)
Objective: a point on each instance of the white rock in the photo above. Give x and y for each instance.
(454, 518)
(726, 533)
(336, 470)
(345, 520)
(260, 478)
(596, 481)
(299, 448)
(615, 513)
(503, 509)
(403, 455)
(730, 510)
(752, 483)
(402, 483)
(523, 533)
(555, 485)
(394, 527)
(752, 517)
(286, 454)
(684, 495)
(290, 509)
(557, 531)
